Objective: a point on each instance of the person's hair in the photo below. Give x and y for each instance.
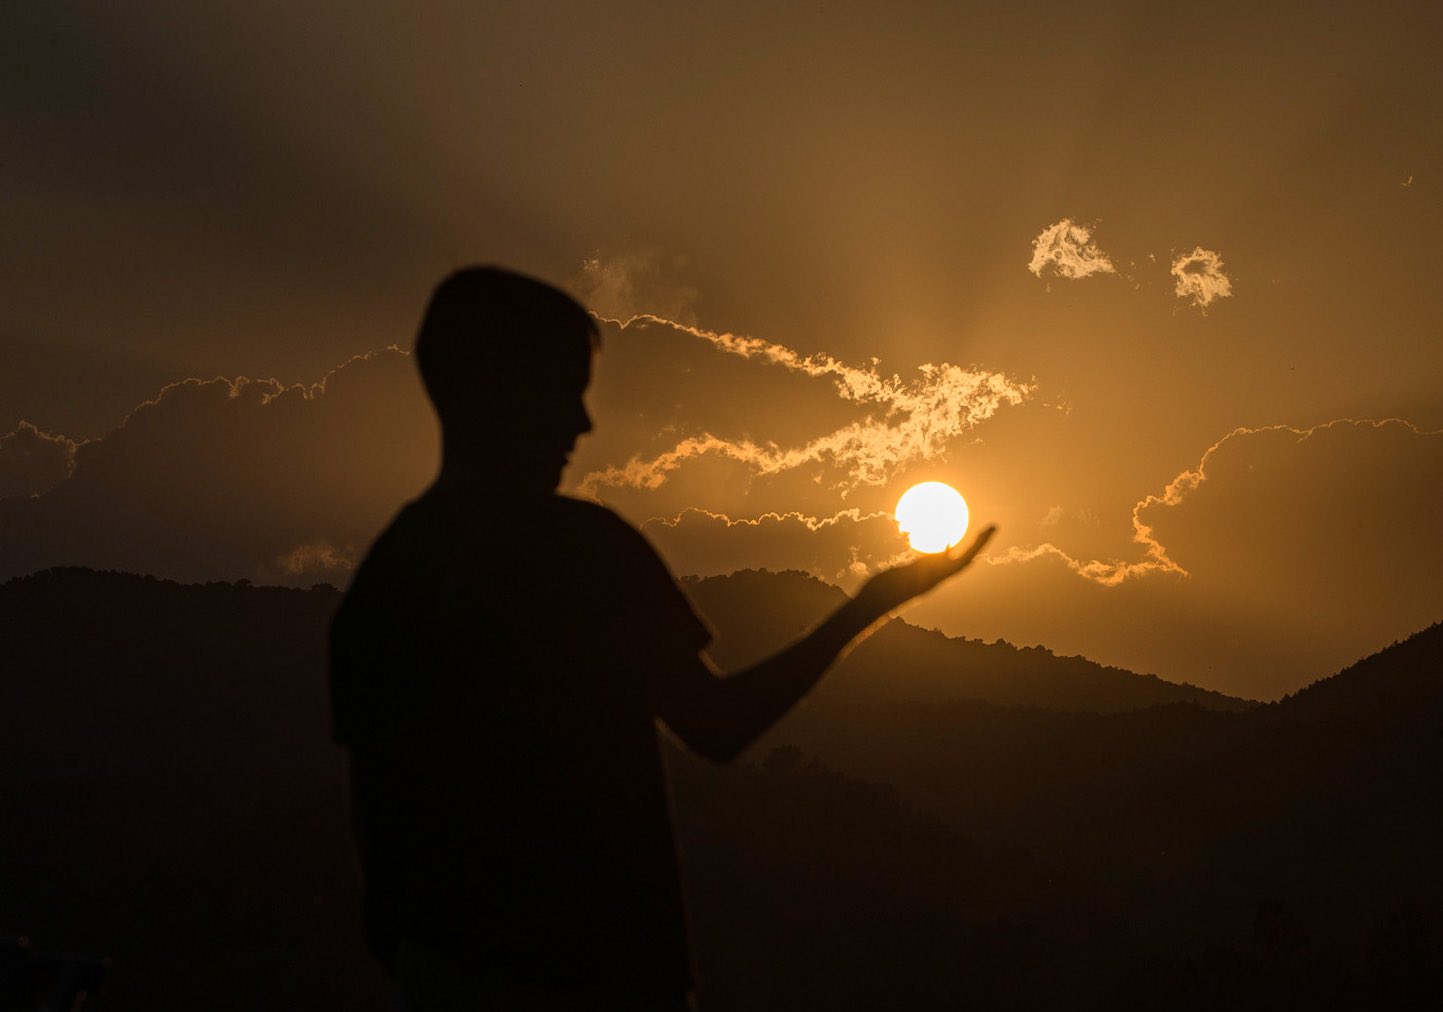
(487, 328)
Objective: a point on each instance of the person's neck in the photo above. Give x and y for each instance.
(492, 476)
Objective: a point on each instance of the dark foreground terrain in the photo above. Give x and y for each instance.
(946, 824)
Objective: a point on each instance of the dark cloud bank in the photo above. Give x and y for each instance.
(222, 479)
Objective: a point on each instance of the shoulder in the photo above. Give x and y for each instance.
(414, 521)
(601, 527)
(587, 511)
(637, 578)
(412, 545)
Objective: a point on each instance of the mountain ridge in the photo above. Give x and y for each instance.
(759, 611)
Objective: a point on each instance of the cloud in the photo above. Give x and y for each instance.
(234, 477)
(1200, 278)
(619, 286)
(81, 389)
(1283, 554)
(322, 560)
(32, 461)
(1162, 508)
(1066, 249)
(1335, 503)
(231, 478)
(918, 419)
(1267, 500)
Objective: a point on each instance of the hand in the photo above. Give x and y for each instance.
(894, 587)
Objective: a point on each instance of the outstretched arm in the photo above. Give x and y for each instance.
(719, 717)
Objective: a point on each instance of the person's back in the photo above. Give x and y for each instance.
(498, 667)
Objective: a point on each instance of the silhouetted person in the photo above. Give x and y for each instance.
(498, 668)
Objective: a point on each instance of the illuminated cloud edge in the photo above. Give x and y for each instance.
(1110, 573)
(33, 461)
(920, 418)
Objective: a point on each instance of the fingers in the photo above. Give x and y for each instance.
(894, 587)
(956, 563)
(933, 569)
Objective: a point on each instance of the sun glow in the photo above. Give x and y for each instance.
(933, 515)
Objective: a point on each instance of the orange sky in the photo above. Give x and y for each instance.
(268, 189)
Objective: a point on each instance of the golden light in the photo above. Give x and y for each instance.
(933, 515)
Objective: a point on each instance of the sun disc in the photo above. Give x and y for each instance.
(933, 515)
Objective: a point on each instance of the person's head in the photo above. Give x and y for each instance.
(506, 359)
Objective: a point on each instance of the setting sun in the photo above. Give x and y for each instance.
(933, 515)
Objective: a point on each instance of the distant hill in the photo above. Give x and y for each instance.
(1387, 685)
(170, 795)
(908, 838)
(114, 660)
(132, 674)
(755, 612)
(1368, 739)
(1175, 856)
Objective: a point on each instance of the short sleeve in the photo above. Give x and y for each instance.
(641, 595)
(676, 621)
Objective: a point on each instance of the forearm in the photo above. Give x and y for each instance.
(719, 717)
(744, 705)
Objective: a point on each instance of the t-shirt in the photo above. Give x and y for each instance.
(497, 673)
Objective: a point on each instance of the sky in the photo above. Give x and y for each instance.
(1155, 288)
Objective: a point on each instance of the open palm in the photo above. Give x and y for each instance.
(894, 587)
